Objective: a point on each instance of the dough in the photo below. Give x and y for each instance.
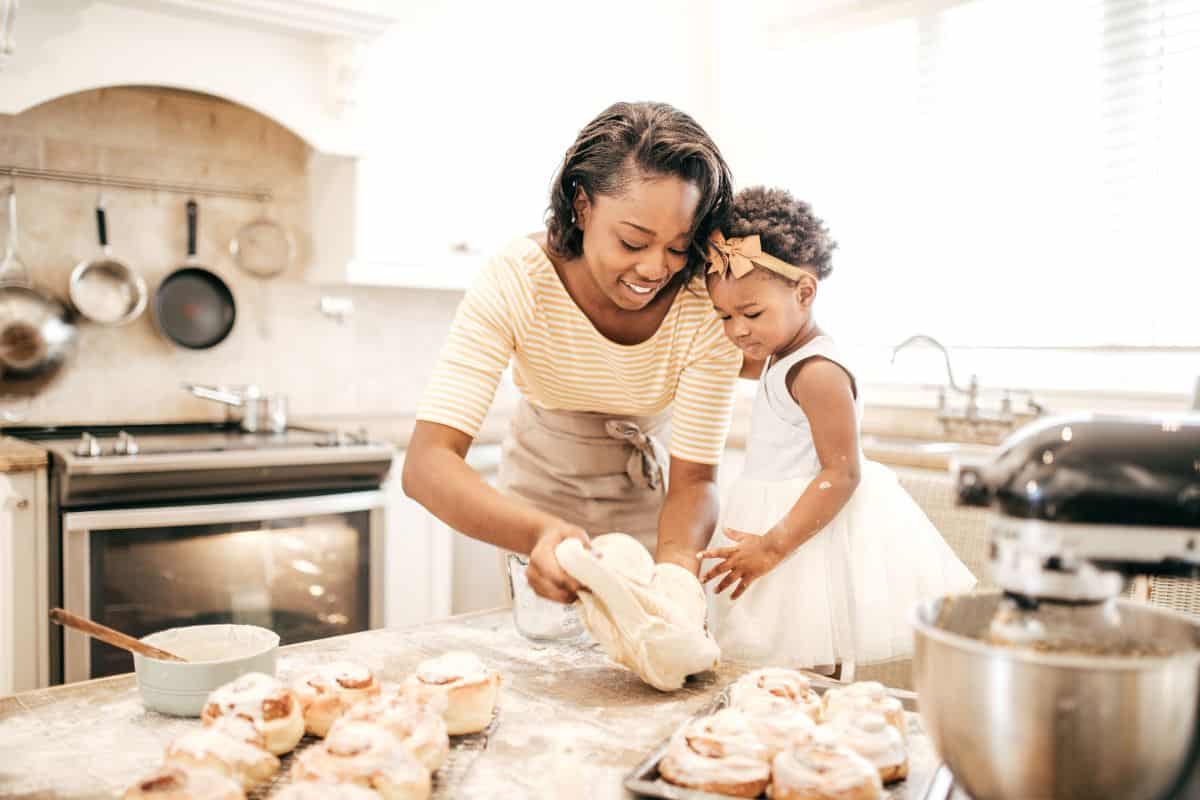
(647, 617)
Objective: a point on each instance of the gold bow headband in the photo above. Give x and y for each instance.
(741, 254)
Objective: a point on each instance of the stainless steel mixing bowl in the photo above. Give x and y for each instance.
(1023, 725)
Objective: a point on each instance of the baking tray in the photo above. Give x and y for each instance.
(645, 781)
(464, 751)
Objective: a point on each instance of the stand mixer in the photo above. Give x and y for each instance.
(1055, 688)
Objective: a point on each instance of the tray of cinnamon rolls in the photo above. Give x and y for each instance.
(334, 732)
(786, 735)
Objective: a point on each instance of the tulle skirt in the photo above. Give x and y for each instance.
(845, 594)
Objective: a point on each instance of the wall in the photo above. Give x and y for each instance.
(462, 125)
(375, 363)
(468, 108)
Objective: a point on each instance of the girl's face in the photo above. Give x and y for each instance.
(633, 244)
(763, 315)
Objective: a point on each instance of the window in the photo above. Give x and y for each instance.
(998, 173)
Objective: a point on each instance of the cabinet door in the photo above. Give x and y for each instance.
(432, 570)
(479, 581)
(24, 645)
(418, 561)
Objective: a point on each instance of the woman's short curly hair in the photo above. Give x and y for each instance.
(787, 228)
(630, 140)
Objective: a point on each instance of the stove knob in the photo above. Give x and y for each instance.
(126, 445)
(88, 447)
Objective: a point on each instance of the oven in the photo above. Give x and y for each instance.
(206, 524)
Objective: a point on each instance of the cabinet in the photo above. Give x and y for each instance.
(306, 57)
(418, 559)
(24, 539)
(432, 571)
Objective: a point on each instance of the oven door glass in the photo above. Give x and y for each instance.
(298, 566)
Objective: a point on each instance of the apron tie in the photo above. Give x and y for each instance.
(644, 466)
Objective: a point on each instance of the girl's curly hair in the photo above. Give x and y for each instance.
(628, 140)
(787, 227)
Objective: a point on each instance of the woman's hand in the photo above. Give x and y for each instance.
(544, 573)
(746, 561)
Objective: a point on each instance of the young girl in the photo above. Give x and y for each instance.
(820, 554)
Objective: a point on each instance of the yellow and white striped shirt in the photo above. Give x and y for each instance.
(519, 309)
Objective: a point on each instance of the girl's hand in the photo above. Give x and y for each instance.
(745, 562)
(544, 573)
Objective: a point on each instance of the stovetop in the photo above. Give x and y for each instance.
(101, 464)
(189, 437)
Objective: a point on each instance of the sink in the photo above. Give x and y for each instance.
(928, 453)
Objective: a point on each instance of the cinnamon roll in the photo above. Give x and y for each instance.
(326, 692)
(870, 735)
(864, 696)
(822, 770)
(232, 747)
(366, 755)
(778, 728)
(174, 782)
(719, 753)
(468, 685)
(419, 726)
(778, 688)
(265, 702)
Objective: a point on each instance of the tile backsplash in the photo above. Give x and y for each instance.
(373, 362)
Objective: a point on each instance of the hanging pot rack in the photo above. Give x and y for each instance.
(256, 194)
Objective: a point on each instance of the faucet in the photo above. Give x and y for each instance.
(972, 390)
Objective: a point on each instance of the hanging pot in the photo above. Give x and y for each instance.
(193, 307)
(105, 289)
(265, 249)
(37, 330)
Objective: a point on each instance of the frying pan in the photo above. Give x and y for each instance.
(264, 249)
(37, 331)
(193, 307)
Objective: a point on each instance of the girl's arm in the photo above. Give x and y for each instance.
(689, 513)
(825, 393)
(437, 476)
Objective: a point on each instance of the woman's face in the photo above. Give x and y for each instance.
(635, 242)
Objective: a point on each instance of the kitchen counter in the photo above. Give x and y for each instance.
(19, 456)
(887, 438)
(571, 724)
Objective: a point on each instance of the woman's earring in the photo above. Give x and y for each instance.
(572, 217)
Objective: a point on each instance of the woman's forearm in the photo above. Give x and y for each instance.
(437, 476)
(688, 517)
(825, 496)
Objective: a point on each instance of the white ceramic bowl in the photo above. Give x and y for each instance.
(216, 654)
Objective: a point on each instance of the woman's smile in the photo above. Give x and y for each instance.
(641, 290)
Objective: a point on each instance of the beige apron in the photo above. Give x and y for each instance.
(602, 472)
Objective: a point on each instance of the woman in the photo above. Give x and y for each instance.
(612, 336)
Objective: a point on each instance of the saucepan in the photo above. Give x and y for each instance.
(247, 405)
(105, 289)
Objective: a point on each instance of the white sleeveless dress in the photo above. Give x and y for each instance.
(845, 594)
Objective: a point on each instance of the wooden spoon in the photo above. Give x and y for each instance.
(106, 634)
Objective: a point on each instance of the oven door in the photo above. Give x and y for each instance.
(305, 567)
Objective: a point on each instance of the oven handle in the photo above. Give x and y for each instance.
(207, 514)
